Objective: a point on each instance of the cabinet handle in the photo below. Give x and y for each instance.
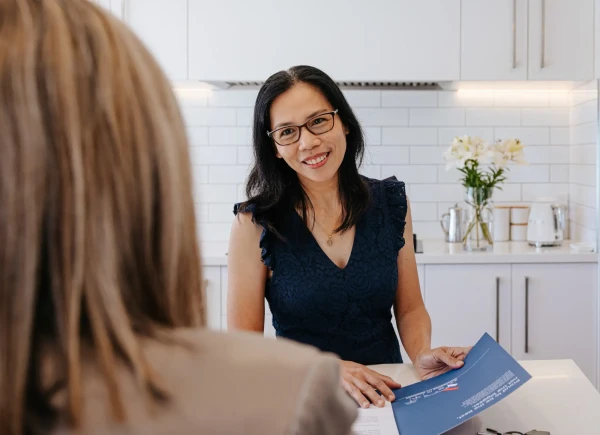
(526, 314)
(543, 56)
(514, 29)
(497, 309)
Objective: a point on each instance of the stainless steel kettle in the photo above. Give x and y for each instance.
(452, 224)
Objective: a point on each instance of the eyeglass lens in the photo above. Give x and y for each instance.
(318, 125)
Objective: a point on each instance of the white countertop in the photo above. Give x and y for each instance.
(558, 398)
(440, 252)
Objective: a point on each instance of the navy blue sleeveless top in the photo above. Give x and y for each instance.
(345, 311)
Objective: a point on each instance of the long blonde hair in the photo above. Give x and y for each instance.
(98, 240)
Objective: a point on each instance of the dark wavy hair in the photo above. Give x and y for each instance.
(273, 187)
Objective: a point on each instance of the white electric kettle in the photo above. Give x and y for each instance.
(546, 223)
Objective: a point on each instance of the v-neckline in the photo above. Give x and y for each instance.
(311, 235)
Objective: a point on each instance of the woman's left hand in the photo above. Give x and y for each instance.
(434, 362)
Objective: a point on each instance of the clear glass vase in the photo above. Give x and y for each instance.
(478, 235)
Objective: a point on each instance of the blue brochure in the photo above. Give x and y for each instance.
(436, 405)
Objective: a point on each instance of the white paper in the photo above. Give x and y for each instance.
(375, 421)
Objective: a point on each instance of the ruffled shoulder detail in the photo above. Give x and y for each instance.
(394, 192)
(266, 237)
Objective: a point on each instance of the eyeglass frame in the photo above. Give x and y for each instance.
(333, 112)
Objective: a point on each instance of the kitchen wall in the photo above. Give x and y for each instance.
(583, 121)
(407, 132)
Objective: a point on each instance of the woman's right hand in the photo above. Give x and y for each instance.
(361, 382)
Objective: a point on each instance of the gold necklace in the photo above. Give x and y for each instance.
(329, 236)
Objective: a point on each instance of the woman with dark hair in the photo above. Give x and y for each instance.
(330, 250)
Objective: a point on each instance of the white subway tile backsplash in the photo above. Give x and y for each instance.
(245, 155)
(197, 136)
(428, 230)
(532, 191)
(241, 193)
(238, 98)
(586, 112)
(560, 135)
(510, 193)
(583, 154)
(521, 99)
(545, 155)
(409, 135)
(245, 116)
(229, 136)
(409, 99)
(452, 175)
(372, 135)
(545, 117)
(371, 171)
(214, 232)
(527, 135)
(386, 155)
(583, 174)
(201, 212)
(427, 155)
(493, 117)
(216, 193)
(447, 135)
(583, 215)
(200, 116)
(559, 173)
(583, 195)
(406, 134)
(227, 174)
(200, 174)
(382, 117)
(411, 174)
(436, 192)
(465, 99)
(363, 98)
(424, 211)
(528, 174)
(437, 117)
(211, 155)
(220, 212)
(583, 134)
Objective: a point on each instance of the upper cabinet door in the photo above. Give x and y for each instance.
(494, 40)
(561, 39)
(378, 40)
(162, 26)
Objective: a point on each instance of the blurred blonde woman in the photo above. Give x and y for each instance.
(101, 308)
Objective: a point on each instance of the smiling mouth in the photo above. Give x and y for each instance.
(318, 161)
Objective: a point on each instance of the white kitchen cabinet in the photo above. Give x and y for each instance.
(561, 40)
(494, 40)
(212, 296)
(465, 301)
(163, 27)
(554, 313)
(379, 40)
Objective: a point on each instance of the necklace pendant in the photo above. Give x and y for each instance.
(329, 241)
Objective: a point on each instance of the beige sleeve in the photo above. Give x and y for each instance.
(323, 407)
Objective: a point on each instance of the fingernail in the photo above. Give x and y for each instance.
(365, 404)
(391, 397)
(380, 403)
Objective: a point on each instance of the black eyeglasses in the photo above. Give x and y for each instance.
(290, 134)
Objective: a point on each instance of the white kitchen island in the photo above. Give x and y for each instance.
(558, 398)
